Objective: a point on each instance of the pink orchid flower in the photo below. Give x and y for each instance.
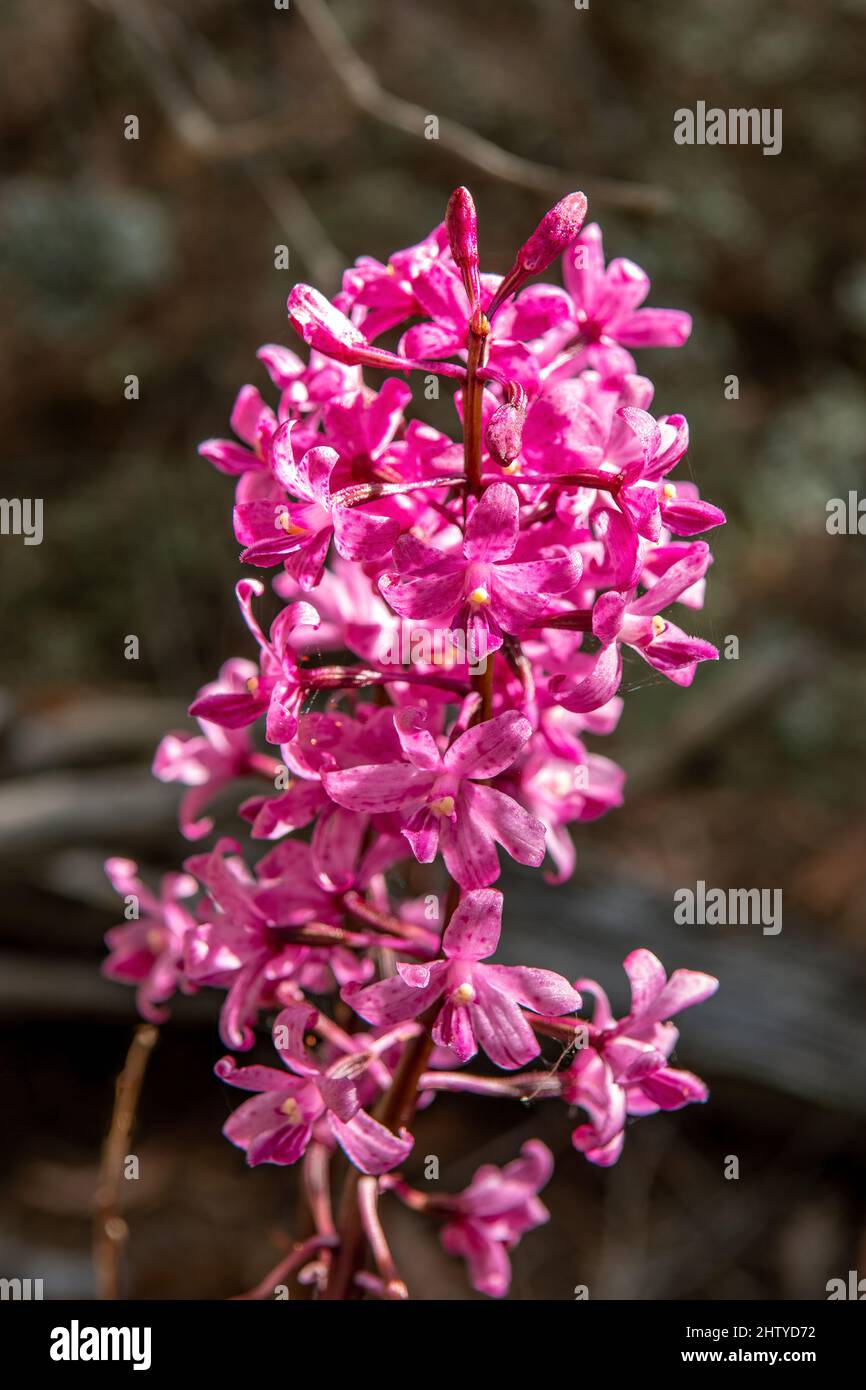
(485, 591)
(607, 300)
(624, 1070)
(147, 950)
(487, 1219)
(298, 534)
(253, 421)
(279, 1123)
(381, 296)
(440, 800)
(481, 1003)
(244, 946)
(560, 791)
(210, 761)
(279, 690)
(636, 621)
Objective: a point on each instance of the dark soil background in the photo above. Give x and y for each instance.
(156, 257)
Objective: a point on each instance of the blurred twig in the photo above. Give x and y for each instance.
(110, 1231)
(194, 126)
(364, 89)
(243, 139)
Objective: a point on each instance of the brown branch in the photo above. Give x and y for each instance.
(195, 128)
(244, 138)
(110, 1231)
(364, 89)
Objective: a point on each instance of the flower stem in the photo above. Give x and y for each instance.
(368, 1205)
(473, 394)
(479, 332)
(395, 1109)
(278, 1275)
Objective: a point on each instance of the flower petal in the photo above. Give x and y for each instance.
(474, 930)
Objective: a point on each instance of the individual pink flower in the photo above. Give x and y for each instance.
(560, 791)
(253, 421)
(381, 296)
(233, 948)
(324, 742)
(487, 590)
(601, 429)
(147, 950)
(624, 1070)
(361, 425)
(246, 944)
(279, 689)
(487, 1219)
(279, 1123)
(441, 801)
(481, 1004)
(636, 621)
(209, 761)
(306, 388)
(607, 300)
(297, 534)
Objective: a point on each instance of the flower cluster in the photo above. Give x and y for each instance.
(445, 636)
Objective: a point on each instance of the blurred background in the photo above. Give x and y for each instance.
(260, 126)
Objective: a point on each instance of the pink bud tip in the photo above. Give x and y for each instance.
(556, 231)
(461, 223)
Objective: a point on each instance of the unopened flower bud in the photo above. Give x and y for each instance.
(322, 326)
(504, 434)
(461, 223)
(553, 235)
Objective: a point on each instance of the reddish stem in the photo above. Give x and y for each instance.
(280, 1273)
(368, 1205)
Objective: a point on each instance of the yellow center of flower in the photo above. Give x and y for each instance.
(670, 490)
(154, 940)
(253, 685)
(479, 595)
(659, 625)
(464, 994)
(291, 1110)
(444, 806)
(444, 660)
(289, 526)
